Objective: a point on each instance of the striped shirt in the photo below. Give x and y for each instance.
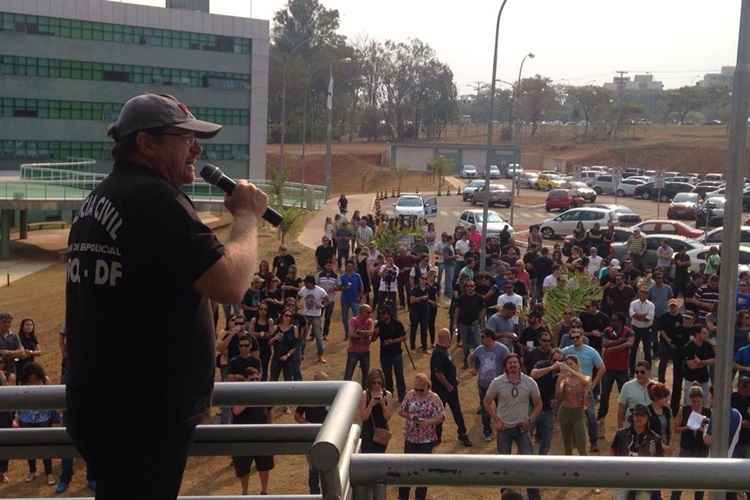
(708, 295)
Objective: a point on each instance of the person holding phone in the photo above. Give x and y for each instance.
(374, 412)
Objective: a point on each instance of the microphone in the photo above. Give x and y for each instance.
(214, 176)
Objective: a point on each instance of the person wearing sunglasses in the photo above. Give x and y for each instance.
(634, 392)
(391, 333)
(469, 309)
(285, 345)
(247, 358)
(361, 329)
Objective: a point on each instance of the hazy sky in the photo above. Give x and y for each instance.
(575, 41)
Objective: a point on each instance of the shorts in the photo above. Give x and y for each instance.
(242, 465)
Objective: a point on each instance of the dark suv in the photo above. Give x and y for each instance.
(649, 191)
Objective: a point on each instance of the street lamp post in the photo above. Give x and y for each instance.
(517, 92)
(329, 127)
(483, 254)
(283, 98)
(514, 179)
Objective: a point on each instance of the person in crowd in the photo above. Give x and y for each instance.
(264, 271)
(664, 258)
(504, 326)
(563, 328)
(405, 262)
(324, 253)
(27, 336)
(666, 327)
(706, 298)
(388, 275)
(274, 298)
(352, 289)
(253, 298)
(328, 228)
(637, 440)
(713, 261)
(375, 412)
(6, 417)
(699, 355)
(741, 402)
(227, 347)
(595, 262)
(579, 237)
(391, 333)
(262, 328)
(660, 294)
(742, 357)
(433, 294)
(642, 320)
(446, 263)
(419, 313)
(314, 299)
(423, 412)
(682, 263)
(469, 308)
(594, 322)
(530, 338)
(550, 281)
(743, 295)
(361, 330)
(360, 267)
(286, 345)
(636, 248)
(364, 234)
(248, 357)
(691, 440)
(343, 238)
(487, 361)
(616, 343)
(291, 284)
(542, 267)
(445, 384)
(328, 280)
(534, 239)
(343, 204)
(33, 374)
(312, 415)
(571, 392)
(11, 347)
(509, 296)
(619, 296)
(589, 360)
(660, 415)
(608, 237)
(634, 392)
(682, 335)
(514, 401)
(282, 262)
(545, 372)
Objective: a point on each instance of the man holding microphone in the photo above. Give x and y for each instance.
(137, 250)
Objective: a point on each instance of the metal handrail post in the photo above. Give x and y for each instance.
(331, 440)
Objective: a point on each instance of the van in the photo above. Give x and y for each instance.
(604, 184)
(588, 176)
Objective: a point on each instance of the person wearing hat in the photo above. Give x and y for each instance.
(666, 325)
(137, 249)
(314, 300)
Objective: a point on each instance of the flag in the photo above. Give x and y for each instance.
(329, 102)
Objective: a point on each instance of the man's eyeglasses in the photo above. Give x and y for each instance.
(575, 337)
(244, 345)
(640, 372)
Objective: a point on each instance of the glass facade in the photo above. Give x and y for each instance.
(65, 150)
(79, 70)
(101, 111)
(103, 32)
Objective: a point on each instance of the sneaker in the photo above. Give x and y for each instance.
(62, 487)
(465, 440)
(51, 480)
(30, 477)
(322, 360)
(92, 485)
(4, 478)
(487, 436)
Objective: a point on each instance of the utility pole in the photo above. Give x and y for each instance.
(620, 99)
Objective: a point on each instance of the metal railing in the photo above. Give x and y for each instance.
(330, 445)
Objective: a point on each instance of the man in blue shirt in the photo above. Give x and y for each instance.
(742, 360)
(588, 359)
(487, 363)
(351, 291)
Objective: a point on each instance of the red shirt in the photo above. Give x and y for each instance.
(617, 360)
(476, 238)
(359, 344)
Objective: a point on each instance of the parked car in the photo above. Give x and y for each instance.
(650, 191)
(652, 243)
(474, 216)
(415, 205)
(644, 178)
(494, 172)
(683, 206)
(698, 258)
(499, 195)
(624, 216)
(604, 184)
(711, 212)
(602, 169)
(562, 199)
(668, 227)
(723, 191)
(713, 177)
(621, 235)
(566, 222)
(716, 236)
(469, 189)
(513, 169)
(588, 176)
(630, 172)
(546, 182)
(527, 179)
(581, 189)
(672, 173)
(626, 187)
(469, 171)
(681, 178)
(702, 188)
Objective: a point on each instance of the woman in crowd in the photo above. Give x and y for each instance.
(595, 238)
(521, 275)
(557, 258)
(660, 414)
(264, 271)
(274, 298)
(6, 417)
(261, 327)
(33, 374)
(328, 228)
(571, 393)
(607, 239)
(292, 283)
(362, 255)
(430, 237)
(27, 335)
(253, 297)
(356, 218)
(374, 412)
(534, 239)
(579, 236)
(423, 411)
(285, 343)
(691, 441)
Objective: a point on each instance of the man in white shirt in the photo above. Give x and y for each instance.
(388, 284)
(314, 299)
(509, 296)
(551, 280)
(642, 313)
(461, 247)
(424, 268)
(364, 234)
(595, 262)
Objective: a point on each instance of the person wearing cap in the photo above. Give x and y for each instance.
(314, 300)
(137, 249)
(666, 325)
(11, 347)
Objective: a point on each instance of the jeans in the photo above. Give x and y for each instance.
(431, 324)
(66, 474)
(390, 364)
(591, 424)
(314, 322)
(571, 429)
(451, 399)
(544, 425)
(420, 493)
(486, 419)
(403, 289)
(450, 272)
(265, 359)
(46, 461)
(352, 359)
(289, 368)
(469, 335)
(608, 381)
(327, 314)
(505, 440)
(313, 480)
(678, 361)
(418, 318)
(345, 308)
(641, 335)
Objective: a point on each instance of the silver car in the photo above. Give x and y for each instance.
(474, 217)
(471, 187)
(499, 195)
(527, 179)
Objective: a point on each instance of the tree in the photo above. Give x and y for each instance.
(279, 178)
(537, 98)
(289, 218)
(589, 100)
(400, 172)
(439, 167)
(684, 100)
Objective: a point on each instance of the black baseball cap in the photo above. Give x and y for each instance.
(149, 111)
(640, 410)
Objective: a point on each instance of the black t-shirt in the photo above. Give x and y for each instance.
(135, 249)
(440, 362)
(324, 254)
(422, 306)
(546, 384)
(251, 415)
(534, 356)
(291, 286)
(542, 267)
(596, 321)
(742, 404)
(282, 263)
(670, 324)
(239, 365)
(252, 300)
(704, 351)
(313, 414)
(470, 307)
(682, 273)
(530, 334)
(392, 330)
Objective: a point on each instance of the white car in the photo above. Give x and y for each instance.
(469, 171)
(627, 186)
(698, 258)
(471, 188)
(527, 179)
(415, 205)
(513, 169)
(566, 222)
(588, 176)
(494, 172)
(495, 223)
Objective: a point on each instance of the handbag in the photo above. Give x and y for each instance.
(381, 436)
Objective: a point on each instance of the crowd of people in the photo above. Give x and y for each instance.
(531, 376)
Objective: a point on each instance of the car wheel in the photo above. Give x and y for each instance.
(548, 233)
(620, 193)
(547, 208)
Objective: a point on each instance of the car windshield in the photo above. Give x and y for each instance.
(685, 197)
(491, 217)
(409, 202)
(477, 183)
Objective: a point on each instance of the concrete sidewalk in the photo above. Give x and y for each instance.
(313, 231)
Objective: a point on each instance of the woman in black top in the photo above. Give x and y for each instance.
(291, 284)
(579, 236)
(274, 298)
(285, 353)
(595, 237)
(375, 411)
(261, 328)
(264, 271)
(27, 335)
(691, 441)
(659, 413)
(433, 292)
(362, 254)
